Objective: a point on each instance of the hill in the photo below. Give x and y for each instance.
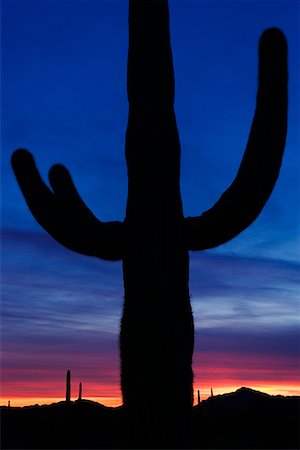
(240, 420)
(248, 419)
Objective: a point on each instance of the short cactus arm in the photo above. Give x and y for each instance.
(242, 202)
(63, 214)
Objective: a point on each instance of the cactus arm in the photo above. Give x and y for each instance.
(242, 202)
(63, 214)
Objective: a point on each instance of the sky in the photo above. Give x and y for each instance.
(64, 99)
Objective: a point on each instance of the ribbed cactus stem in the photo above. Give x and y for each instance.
(211, 392)
(80, 391)
(198, 397)
(68, 387)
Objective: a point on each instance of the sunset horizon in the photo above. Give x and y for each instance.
(116, 401)
(111, 394)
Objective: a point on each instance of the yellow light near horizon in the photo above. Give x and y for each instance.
(108, 401)
(278, 389)
(28, 401)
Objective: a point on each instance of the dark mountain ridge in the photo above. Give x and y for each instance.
(242, 419)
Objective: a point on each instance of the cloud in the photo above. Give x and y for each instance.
(270, 343)
(224, 357)
(251, 293)
(61, 310)
(47, 288)
(50, 291)
(39, 369)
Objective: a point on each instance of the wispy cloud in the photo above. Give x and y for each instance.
(245, 293)
(49, 291)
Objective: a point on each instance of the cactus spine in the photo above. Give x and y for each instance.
(153, 242)
(68, 387)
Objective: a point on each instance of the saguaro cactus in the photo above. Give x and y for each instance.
(154, 240)
(80, 391)
(68, 387)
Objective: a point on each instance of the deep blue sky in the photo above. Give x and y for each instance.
(64, 99)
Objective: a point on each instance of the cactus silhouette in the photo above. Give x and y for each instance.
(68, 387)
(80, 391)
(156, 340)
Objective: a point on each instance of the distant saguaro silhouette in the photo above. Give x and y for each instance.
(68, 387)
(153, 242)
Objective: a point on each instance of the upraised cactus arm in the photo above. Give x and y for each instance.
(63, 214)
(242, 202)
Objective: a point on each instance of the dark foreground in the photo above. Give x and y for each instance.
(245, 419)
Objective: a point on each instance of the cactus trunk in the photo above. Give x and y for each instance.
(157, 325)
(68, 387)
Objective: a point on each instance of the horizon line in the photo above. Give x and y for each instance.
(116, 401)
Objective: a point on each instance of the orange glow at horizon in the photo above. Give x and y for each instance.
(205, 392)
(224, 372)
(28, 401)
(271, 389)
(29, 393)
